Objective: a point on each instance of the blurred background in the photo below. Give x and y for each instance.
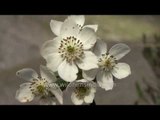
(22, 36)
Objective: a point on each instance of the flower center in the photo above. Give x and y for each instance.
(81, 91)
(71, 49)
(107, 62)
(39, 86)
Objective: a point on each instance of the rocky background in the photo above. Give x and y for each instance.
(22, 36)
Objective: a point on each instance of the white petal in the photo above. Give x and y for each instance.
(78, 19)
(24, 94)
(94, 27)
(100, 48)
(47, 74)
(88, 37)
(25, 84)
(75, 100)
(88, 62)
(27, 74)
(47, 101)
(82, 81)
(69, 28)
(119, 50)
(53, 102)
(89, 98)
(50, 46)
(58, 93)
(56, 27)
(53, 61)
(93, 89)
(68, 71)
(89, 74)
(105, 80)
(121, 70)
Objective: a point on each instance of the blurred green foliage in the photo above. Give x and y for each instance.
(151, 52)
(149, 95)
(125, 27)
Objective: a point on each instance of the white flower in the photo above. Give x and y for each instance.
(108, 64)
(83, 91)
(36, 86)
(47, 100)
(78, 19)
(69, 50)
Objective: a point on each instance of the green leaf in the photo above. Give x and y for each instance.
(140, 93)
(139, 90)
(158, 100)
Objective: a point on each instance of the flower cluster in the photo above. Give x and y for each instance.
(80, 58)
